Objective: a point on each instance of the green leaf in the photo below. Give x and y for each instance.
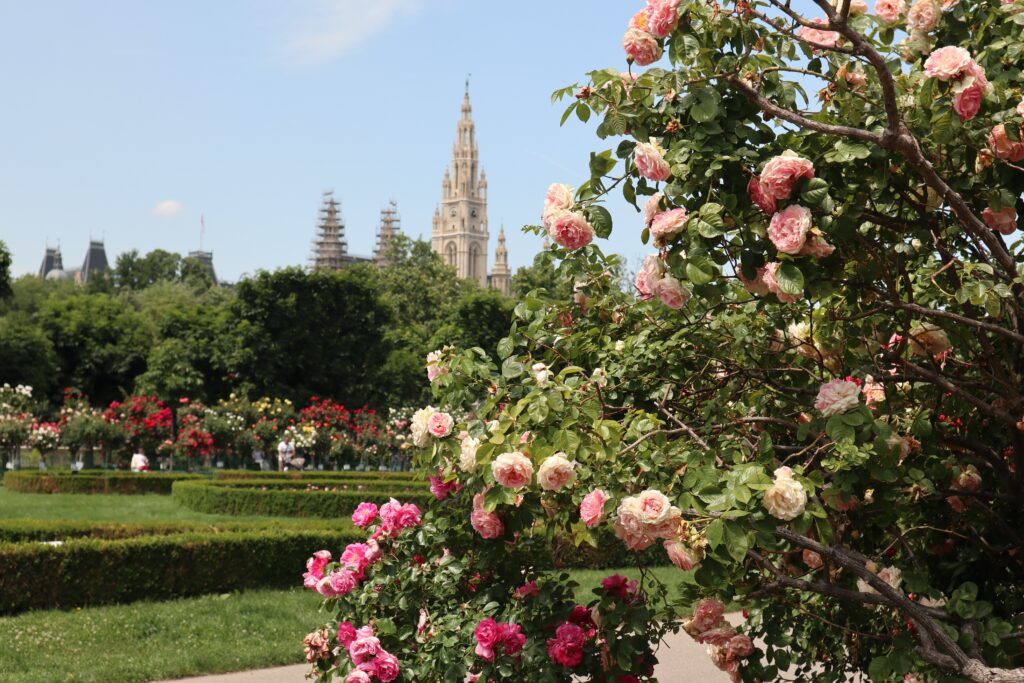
(583, 112)
(568, 111)
(705, 107)
(700, 271)
(600, 219)
(815, 192)
(505, 347)
(790, 279)
(715, 532)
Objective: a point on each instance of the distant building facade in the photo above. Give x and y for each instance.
(95, 265)
(330, 248)
(390, 227)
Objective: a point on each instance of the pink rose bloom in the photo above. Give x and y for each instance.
(556, 472)
(364, 515)
(654, 507)
(890, 11)
(947, 63)
(570, 230)
(707, 614)
(672, 292)
(487, 524)
(788, 228)
(632, 535)
(486, 635)
(764, 201)
(512, 638)
(782, 172)
(641, 46)
(363, 648)
(652, 208)
(639, 21)
(662, 17)
(1003, 147)
(442, 489)
(650, 162)
(559, 198)
(346, 633)
(755, 286)
(592, 507)
(315, 569)
(667, 225)
(354, 557)
(718, 636)
(923, 16)
(811, 559)
(527, 590)
(837, 396)
(816, 247)
(857, 7)
(440, 425)
(358, 676)
(434, 367)
(336, 583)
(648, 276)
(739, 646)
(682, 555)
(817, 36)
(395, 516)
(373, 551)
(566, 648)
(768, 278)
(1003, 221)
(512, 470)
(386, 666)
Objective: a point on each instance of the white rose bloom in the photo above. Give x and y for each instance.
(420, 434)
(541, 374)
(785, 499)
(467, 454)
(891, 575)
(556, 472)
(600, 377)
(620, 346)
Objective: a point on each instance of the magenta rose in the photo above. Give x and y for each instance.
(662, 17)
(386, 666)
(570, 230)
(486, 635)
(592, 507)
(566, 648)
(1003, 221)
(788, 228)
(512, 638)
(947, 63)
(346, 633)
(650, 162)
(782, 172)
(641, 46)
(442, 489)
(764, 201)
(363, 648)
(354, 557)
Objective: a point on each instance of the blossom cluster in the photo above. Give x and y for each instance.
(707, 625)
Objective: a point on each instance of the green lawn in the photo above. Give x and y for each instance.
(152, 641)
(109, 508)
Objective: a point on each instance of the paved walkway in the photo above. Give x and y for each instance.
(681, 661)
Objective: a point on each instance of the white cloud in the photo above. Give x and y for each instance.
(338, 26)
(168, 208)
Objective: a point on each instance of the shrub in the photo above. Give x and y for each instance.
(94, 571)
(316, 475)
(24, 530)
(94, 482)
(235, 499)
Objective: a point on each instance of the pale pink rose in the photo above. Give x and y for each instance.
(892, 576)
(718, 636)
(788, 228)
(767, 274)
(837, 396)
(856, 77)
(811, 559)
(634, 540)
(662, 16)
(927, 339)
(857, 7)
(652, 208)
(373, 551)
(418, 426)
(973, 75)
(650, 162)
(654, 507)
(1003, 147)
(358, 676)
(707, 614)
(642, 47)
(556, 472)
(434, 367)
(764, 201)
(874, 392)
(890, 11)
(630, 526)
(1003, 221)
(667, 225)
(947, 63)
(672, 292)
(923, 16)
(648, 276)
(1020, 108)
(592, 507)
(571, 230)
(782, 172)
(755, 286)
(639, 21)
(739, 646)
(512, 470)
(559, 198)
(487, 524)
(785, 499)
(440, 425)
(818, 36)
(816, 247)
(682, 555)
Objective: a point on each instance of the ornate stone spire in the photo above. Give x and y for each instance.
(501, 276)
(390, 226)
(329, 246)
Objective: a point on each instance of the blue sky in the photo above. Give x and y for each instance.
(126, 120)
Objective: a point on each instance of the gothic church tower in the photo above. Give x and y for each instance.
(460, 232)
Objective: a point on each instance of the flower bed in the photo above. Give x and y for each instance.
(280, 498)
(26, 481)
(177, 563)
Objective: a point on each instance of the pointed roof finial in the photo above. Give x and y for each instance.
(467, 84)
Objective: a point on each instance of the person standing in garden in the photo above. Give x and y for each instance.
(285, 452)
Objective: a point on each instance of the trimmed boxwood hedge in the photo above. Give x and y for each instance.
(246, 498)
(24, 530)
(312, 475)
(94, 571)
(99, 481)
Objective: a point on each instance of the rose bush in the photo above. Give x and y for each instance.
(828, 429)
